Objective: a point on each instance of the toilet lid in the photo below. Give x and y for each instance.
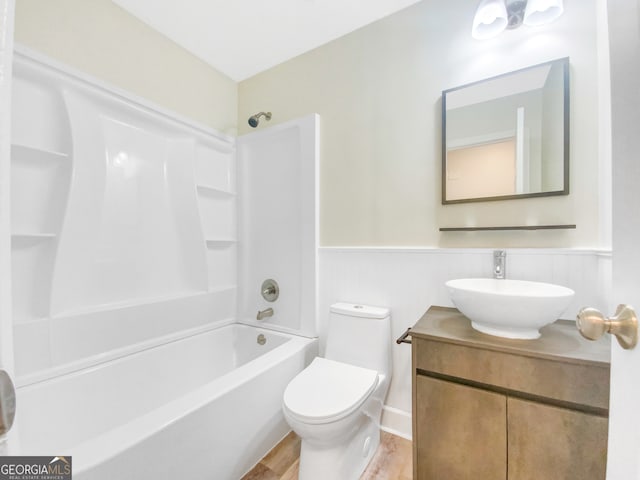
(328, 390)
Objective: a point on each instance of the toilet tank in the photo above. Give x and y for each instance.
(360, 335)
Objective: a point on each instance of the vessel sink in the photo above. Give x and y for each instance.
(509, 308)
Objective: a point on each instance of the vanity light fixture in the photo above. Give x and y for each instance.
(541, 12)
(494, 16)
(490, 20)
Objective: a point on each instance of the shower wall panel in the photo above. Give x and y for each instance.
(129, 231)
(279, 224)
(123, 219)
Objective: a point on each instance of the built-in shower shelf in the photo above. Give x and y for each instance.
(34, 235)
(35, 154)
(29, 320)
(220, 242)
(213, 191)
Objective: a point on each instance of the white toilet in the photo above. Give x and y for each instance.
(335, 404)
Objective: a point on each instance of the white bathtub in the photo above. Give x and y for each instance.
(204, 407)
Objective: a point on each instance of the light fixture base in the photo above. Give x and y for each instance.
(515, 13)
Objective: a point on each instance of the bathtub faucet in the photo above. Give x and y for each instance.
(264, 313)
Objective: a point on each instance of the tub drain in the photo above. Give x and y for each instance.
(262, 339)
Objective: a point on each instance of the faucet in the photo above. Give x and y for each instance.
(264, 313)
(499, 264)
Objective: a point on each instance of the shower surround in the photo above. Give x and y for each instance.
(123, 223)
(125, 248)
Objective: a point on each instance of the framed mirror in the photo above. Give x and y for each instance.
(507, 137)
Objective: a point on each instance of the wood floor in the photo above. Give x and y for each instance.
(392, 461)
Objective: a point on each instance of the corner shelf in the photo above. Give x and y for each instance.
(23, 239)
(519, 227)
(32, 235)
(220, 242)
(34, 154)
(213, 191)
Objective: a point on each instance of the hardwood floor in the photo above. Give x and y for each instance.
(392, 461)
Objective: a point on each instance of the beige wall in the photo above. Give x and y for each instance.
(378, 91)
(102, 40)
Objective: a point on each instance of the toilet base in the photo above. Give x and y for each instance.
(344, 460)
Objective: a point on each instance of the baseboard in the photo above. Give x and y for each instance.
(396, 422)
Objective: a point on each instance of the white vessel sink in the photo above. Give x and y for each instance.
(509, 308)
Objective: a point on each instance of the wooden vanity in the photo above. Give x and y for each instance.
(488, 408)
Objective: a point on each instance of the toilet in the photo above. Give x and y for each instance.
(335, 404)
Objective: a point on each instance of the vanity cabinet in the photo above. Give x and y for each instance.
(491, 408)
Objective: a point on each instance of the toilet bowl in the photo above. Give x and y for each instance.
(335, 405)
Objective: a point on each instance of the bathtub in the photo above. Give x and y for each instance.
(203, 407)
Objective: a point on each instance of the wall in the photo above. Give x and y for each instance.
(378, 92)
(102, 40)
(410, 280)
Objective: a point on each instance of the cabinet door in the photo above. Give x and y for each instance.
(460, 432)
(555, 443)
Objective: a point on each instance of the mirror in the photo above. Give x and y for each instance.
(508, 136)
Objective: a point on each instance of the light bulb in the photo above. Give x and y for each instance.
(490, 19)
(540, 12)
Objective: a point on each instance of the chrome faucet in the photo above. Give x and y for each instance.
(264, 313)
(499, 264)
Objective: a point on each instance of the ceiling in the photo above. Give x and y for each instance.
(243, 37)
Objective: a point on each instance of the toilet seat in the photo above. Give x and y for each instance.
(327, 391)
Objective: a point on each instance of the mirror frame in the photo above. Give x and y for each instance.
(564, 62)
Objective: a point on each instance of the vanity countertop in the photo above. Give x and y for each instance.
(559, 341)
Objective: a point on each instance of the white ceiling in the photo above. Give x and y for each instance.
(243, 37)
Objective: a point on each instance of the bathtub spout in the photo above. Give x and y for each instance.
(264, 313)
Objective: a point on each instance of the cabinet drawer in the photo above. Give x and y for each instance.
(576, 383)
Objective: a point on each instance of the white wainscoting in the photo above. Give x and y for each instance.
(410, 280)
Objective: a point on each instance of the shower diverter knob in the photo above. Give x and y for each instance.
(270, 290)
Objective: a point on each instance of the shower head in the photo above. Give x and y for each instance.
(255, 119)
